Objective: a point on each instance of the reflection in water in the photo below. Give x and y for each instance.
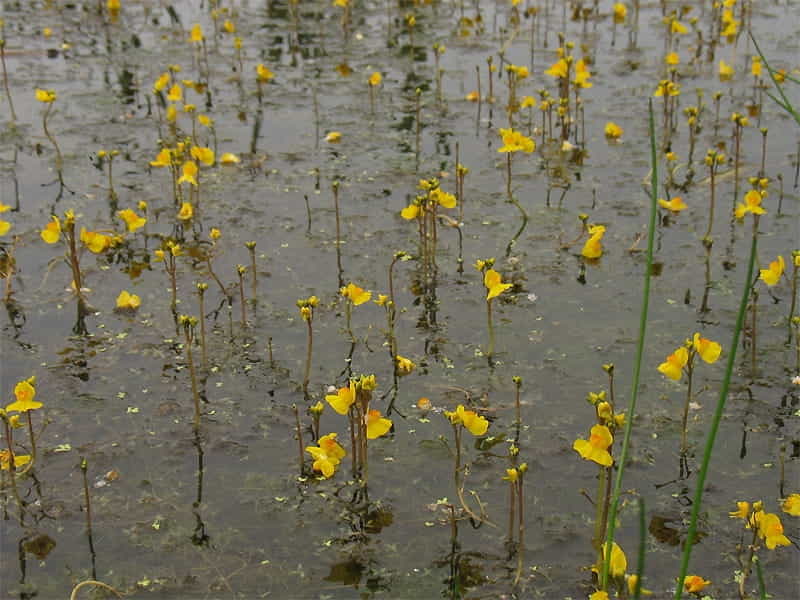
(361, 564)
(88, 509)
(199, 535)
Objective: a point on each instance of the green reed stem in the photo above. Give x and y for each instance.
(784, 102)
(712, 433)
(637, 591)
(762, 588)
(629, 417)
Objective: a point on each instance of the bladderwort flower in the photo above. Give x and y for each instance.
(695, 584)
(132, 221)
(772, 274)
(128, 301)
(791, 505)
(596, 447)
(327, 455)
(674, 204)
(404, 365)
(613, 131)
(593, 248)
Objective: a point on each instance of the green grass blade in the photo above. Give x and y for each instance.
(629, 416)
(712, 432)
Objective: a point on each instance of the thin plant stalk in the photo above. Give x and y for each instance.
(240, 270)
(251, 248)
(490, 328)
(712, 433)
(631, 412)
(5, 77)
(188, 323)
(684, 421)
(201, 292)
(299, 433)
(309, 349)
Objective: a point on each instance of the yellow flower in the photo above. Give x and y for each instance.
(46, 96)
(343, 399)
(675, 204)
(771, 529)
(404, 365)
(673, 367)
(355, 294)
(791, 505)
(672, 59)
(493, 283)
(559, 69)
(512, 475)
(472, 96)
(375, 79)
(471, 420)
(204, 155)
(411, 212)
(161, 82)
(229, 27)
(528, 102)
(514, 141)
(4, 226)
(229, 158)
(172, 113)
(772, 275)
(619, 562)
(444, 199)
(598, 595)
(596, 447)
(164, 158)
(752, 204)
(188, 173)
(593, 248)
(263, 74)
(667, 88)
(709, 351)
(695, 583)
(632, 580)
(582, 74)
(382, 300)
(4, 207)
(175, 93)
(475, 424)
(726, 71)
(620, 12)
(334, 137)
(329, 443)
(158, 256)
(520, 71)
(613, 131)
(677, 27)
(215, 233)
(19, 460)
(327, 455)
(376, 424)
(24, 393)
(755, 66)
(95, 242)
(196, 34)
(742, 511)
(127, 301)
(186, 212)
(132, 220)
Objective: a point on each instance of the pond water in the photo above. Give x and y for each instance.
(222, 511)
